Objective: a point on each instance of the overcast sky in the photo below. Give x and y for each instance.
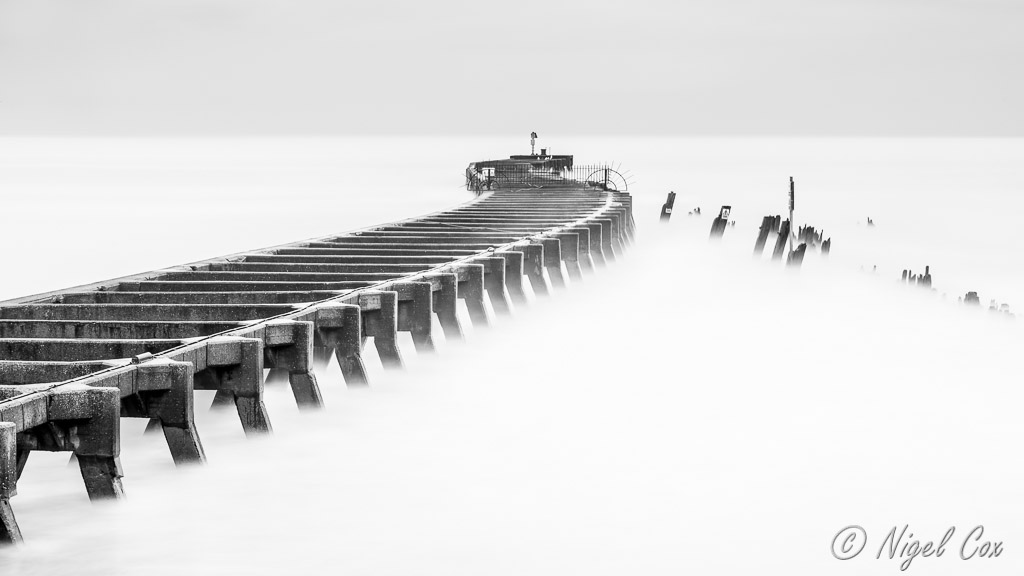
(831, 67)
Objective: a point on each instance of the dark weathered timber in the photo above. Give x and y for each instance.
(75, 361)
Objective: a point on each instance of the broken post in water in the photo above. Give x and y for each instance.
(720, 222)
(666, 208)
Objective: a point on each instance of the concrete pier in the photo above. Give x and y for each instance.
(75, 361)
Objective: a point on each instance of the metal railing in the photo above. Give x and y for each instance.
(525, 175)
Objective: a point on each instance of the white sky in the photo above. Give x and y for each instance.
(843, 67)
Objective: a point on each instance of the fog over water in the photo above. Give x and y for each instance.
(686, 409)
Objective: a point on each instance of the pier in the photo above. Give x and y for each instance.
(75, 361)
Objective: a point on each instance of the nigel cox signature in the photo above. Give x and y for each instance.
(901, 544)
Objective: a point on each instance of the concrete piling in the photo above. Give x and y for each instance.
(380, 322)
(514, 275)
(471, 289)
(234, 368)
(533, 266)
(415, 313)
(596, 244)
(494, 284)
(569, 251)
(10, 533)
(445, 304)
(553, 261)
(167, 389)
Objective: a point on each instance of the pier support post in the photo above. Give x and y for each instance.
(569, 247)
(596, 244)
(167, 389)
(415, 310)
(607, 238)
(494, 283)
(339, 332)
(10, 533)
(350, 346)
(514, 275)
(234, 368)
(445, 305)
(533, 266)
(97, 442)
(382, 326)
(288, 351)
(553, 261)
(471, 289)
(583, 244)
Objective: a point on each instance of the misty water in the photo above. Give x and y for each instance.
(686, 409)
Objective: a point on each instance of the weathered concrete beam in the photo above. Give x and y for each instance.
(111, 329)
(19, 372)
(239, 286)
(72, 350)
(426, 238)
(204, 276)
(425, 261)
(319, 268)
(405, 250)
(187, 312)
(122, 297)
(521, 214)
(487, 217)
(465, 230)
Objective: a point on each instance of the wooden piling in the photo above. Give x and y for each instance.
(666, 208)
(762, 235)
(780, 242)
